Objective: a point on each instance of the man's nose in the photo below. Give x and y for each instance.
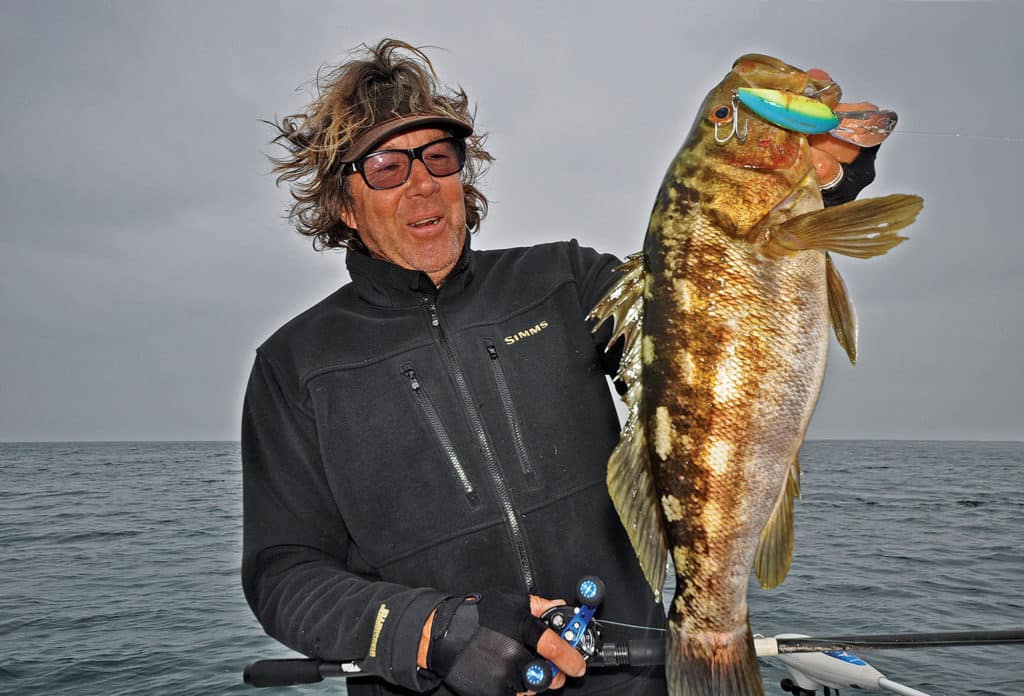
(421, 181)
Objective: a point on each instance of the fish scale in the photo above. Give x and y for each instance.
(731, 431)
(725, 315)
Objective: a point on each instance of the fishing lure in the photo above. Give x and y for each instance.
(793, 112)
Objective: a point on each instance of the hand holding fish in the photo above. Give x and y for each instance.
(829, 151)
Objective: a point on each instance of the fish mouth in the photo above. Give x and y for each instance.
(794, 112)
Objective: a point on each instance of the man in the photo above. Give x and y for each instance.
(424, 450)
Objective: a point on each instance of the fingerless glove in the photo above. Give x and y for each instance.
(856, 175)
(480, 645)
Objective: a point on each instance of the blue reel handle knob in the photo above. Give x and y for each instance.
(590, 591)
(538, 675)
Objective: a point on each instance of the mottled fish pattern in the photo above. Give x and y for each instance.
(725, 315)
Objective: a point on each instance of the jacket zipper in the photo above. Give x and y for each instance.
(505, 394)
(504, 498)
(445, 442)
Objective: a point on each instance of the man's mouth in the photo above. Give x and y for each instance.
(425, 222)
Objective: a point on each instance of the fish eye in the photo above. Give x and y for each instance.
(720, 114)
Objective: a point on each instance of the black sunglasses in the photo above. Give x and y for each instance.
(386, 169)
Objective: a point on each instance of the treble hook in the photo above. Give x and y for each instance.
(735, 120)
(809, 92)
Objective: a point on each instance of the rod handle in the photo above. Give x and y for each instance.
(646, 653)
(282, 672)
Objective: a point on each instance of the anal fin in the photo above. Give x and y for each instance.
(775, 548)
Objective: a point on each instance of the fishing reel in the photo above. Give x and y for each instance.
(576, 626)
(561, 618)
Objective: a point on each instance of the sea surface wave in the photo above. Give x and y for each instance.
(120, 565)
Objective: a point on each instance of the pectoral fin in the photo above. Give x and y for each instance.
(860, 228)
(775, 548)
(840, 309)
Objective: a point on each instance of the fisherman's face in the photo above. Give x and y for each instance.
(419, 225)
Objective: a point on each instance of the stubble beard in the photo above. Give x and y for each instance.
(416, 262)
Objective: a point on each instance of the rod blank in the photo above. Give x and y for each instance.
(892, 641)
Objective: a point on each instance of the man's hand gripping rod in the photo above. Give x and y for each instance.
(578, 627)
(574, 626)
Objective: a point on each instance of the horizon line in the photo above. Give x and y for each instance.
(815, 439)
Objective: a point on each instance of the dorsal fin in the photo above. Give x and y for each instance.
(630, 482)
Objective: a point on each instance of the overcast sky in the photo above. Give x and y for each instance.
(144, 252)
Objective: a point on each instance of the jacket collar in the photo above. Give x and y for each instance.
(384, 284)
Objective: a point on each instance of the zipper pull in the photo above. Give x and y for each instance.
(432, 308)
(492, 351)
(411, 374)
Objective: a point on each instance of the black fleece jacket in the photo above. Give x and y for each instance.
(403, 443)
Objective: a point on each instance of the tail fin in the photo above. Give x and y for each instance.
(712, 664)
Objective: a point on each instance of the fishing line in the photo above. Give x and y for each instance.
(1000, 138)
(626, 625)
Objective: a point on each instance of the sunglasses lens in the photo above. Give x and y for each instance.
(390, 168)
(386, 169)
(444, 157)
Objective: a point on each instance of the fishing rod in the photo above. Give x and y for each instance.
(649, 653)
(813, 662)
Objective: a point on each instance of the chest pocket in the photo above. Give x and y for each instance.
(441, 437)
(549, 400)
(516, 428)
(397, 457)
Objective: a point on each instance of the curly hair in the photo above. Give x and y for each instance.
(342, 111)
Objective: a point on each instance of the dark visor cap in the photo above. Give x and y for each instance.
(369, 140)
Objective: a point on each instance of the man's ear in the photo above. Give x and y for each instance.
(347, 217)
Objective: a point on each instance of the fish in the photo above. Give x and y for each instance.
(723, 319)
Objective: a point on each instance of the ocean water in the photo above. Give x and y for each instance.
(119, 565)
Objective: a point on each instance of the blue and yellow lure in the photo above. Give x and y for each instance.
(788, 110)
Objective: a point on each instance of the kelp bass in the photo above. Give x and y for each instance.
(725, 316)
